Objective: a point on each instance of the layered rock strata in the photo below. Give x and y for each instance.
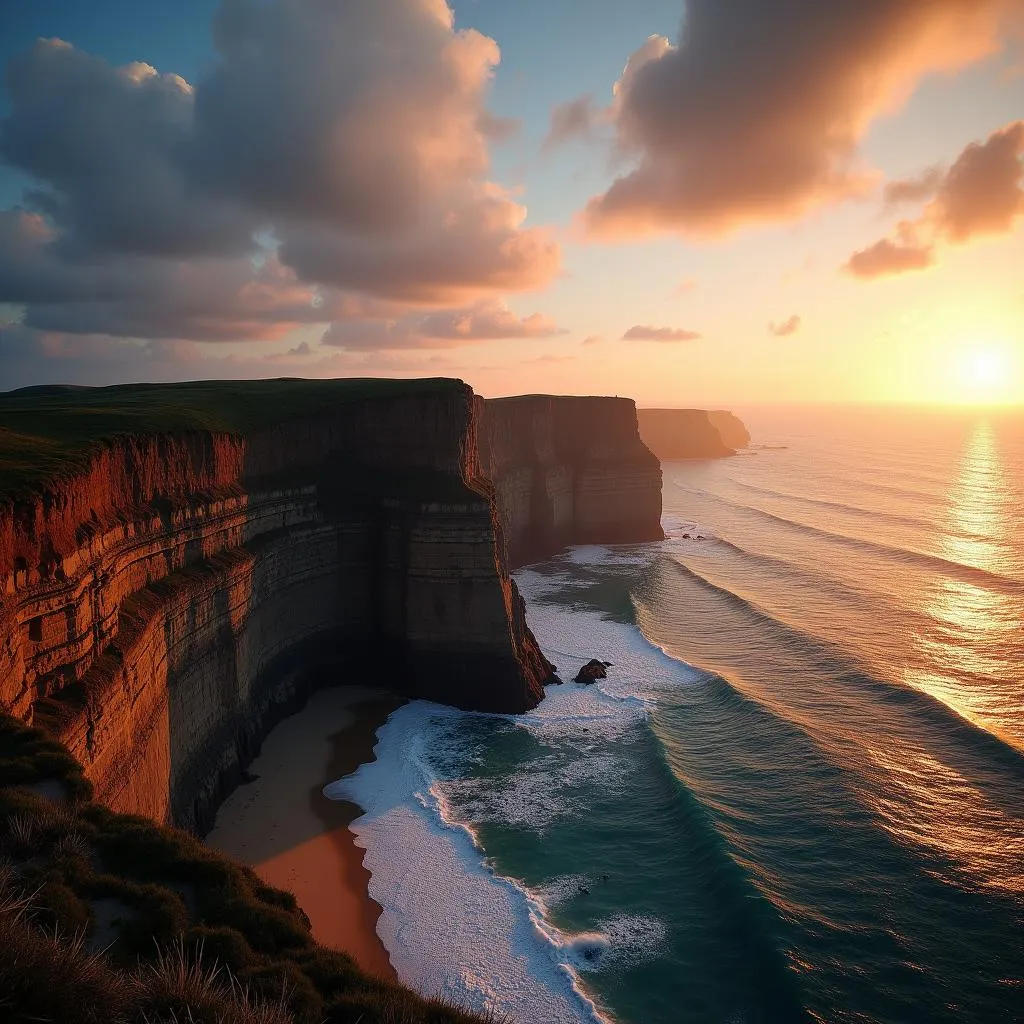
(691, 433)
(569, 470)
(164, 604)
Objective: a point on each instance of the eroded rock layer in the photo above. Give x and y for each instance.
(569, 470)
(164, 603)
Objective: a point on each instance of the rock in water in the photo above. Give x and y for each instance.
(592, 671)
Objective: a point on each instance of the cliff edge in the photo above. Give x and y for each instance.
(180, 564)
(569, 470)
(692, 433)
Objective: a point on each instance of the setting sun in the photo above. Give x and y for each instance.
(984, 373)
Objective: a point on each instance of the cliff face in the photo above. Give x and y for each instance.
(569, 470)
(162, 606)
(730, 427)
(691, 433)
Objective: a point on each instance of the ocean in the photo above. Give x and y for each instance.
(798, 795)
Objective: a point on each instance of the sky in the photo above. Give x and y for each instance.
(710, 202)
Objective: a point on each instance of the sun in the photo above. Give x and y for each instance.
(983, 373)
(987, 369)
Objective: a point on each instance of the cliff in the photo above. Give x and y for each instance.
(730, 427)
(691, 433)
(569, 470)
(180, 564)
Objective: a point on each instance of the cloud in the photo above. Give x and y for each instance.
(33, 357)
(887, 257)
(791, 325)
(203, 299)
(685, 287)
(574, 119)
(913, 190)
(103, 145)
(592, 339)
(486, 321)
(981, 194)
(330, 153)
(757, 114)
(644, 332)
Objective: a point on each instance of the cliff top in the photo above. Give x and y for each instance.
(48, 433)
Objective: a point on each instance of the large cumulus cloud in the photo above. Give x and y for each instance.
(334, 153)
(756, 115)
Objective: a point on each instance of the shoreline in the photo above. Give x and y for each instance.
(304, 845)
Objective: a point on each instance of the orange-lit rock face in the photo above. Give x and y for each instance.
(569, 470)
(162, 609)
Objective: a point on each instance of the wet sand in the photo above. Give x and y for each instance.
(282, 825)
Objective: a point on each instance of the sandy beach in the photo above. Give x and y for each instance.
(283, 826)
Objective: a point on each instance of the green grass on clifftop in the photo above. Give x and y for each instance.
(112, 919)
(49, 433)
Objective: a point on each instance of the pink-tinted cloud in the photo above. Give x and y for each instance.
(450, 328)
(791, 325)
(981, 194)
(758, 112)
(685, 287)
(887, 257)
(592, 339)
(644, 332)
(913, 190)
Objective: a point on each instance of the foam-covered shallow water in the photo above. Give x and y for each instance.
(445, 783)
(799, 795)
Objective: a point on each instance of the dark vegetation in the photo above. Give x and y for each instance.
(49, 433)
(112, 919)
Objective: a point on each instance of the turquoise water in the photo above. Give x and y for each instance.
(798, 796)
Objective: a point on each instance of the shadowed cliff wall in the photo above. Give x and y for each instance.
(164, 604)
(569, 470)
(691, 433)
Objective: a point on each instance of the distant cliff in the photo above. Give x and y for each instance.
(691, 433)
(569, 470)
(180, 564)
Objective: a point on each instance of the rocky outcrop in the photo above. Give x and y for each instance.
(569, 470)
(166, 600)
(592, 671)
(691, 433)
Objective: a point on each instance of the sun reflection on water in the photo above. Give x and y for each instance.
(970, 657)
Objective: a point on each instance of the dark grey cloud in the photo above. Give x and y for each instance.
(330, 151)
(574, 119)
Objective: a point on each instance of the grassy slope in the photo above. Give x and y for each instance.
(50, 433)
(190, 935)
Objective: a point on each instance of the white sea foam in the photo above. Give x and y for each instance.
(451, 924)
